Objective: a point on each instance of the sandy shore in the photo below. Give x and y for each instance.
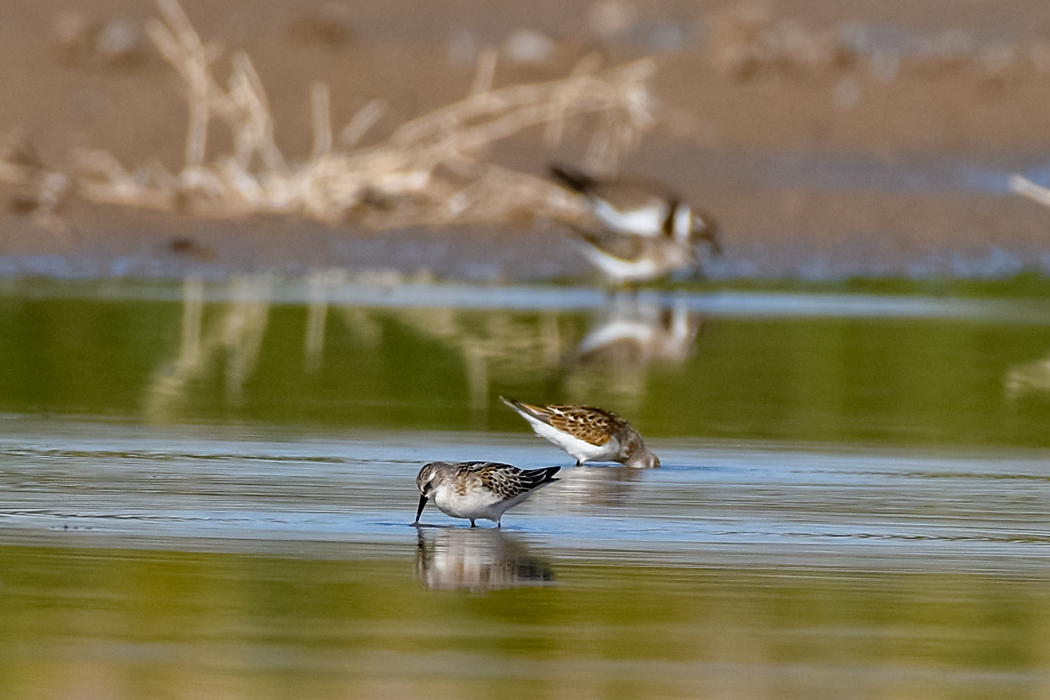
(830, 139)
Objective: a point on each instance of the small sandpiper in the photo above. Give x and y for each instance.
(640, 207)
(587, 433)
(478, 490)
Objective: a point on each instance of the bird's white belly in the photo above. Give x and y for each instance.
(580, 449)
(622, 270)
(474, 504)
(643, 221)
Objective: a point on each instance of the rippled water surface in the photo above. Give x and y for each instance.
(206, 491)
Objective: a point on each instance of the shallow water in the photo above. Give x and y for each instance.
(206, 492)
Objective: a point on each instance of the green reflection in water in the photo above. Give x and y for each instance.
(890, 381)
(132, 624)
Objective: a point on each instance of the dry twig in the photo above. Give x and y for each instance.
(395, 183)
(1024, 186)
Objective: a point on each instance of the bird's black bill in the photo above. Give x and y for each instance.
(422, 505)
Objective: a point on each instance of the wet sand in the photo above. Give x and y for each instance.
(874, 139)
(712, 503)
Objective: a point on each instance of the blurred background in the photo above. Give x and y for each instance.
(828, 139)
(261, 260)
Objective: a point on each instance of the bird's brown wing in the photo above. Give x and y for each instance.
(592, 425)
(587, 423)
(506, 480)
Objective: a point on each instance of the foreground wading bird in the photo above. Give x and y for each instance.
(645, 230)
(478, 490)
(589, 434)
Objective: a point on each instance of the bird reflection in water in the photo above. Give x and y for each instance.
(476, 559)
(612, 361)
(635, 333)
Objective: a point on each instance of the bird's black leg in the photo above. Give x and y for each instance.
(472, 524)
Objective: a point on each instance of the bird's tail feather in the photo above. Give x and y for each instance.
(539, 477)
(522, 407)
(573, 178)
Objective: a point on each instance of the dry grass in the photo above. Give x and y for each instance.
(430, 171)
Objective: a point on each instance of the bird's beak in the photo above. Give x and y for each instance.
(709, 231)
(422, 505)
